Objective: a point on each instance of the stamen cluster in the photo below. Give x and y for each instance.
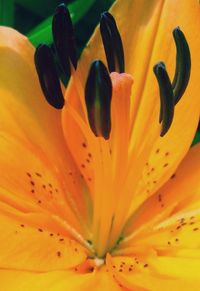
(98, 88)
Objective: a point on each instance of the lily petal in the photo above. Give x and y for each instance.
(35, 180)
(24, 111)
(152, 23)
(176, 233)
(78, 138)
(167, 152)
(36, 242)
(179, 195)
(137, 40)
(26, 116)
(143, 281)
(168, 272)
(57, 281)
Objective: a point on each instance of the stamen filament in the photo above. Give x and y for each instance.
(74, 233)
(80, 89)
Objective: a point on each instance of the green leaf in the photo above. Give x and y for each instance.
(40, 8)
(196, 138)
(6, 12)
(42, 33)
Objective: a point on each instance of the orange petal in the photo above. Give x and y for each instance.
(168, 151)
(137, 39)
(57, 281)
(34, 184)
(36, 242)
(24, 111)
(154, 272)
(178, 232)
(144, 282)
(99, 156)
(186, 181)
(79, 142)
(151, 28)
(180, 194)
(26, 116)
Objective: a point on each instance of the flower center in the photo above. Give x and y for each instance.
(108, 124)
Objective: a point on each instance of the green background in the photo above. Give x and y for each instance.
(33, 18)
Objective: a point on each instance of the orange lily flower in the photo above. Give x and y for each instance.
(92, 205)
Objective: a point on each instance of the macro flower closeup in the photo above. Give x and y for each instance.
(99, 184)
